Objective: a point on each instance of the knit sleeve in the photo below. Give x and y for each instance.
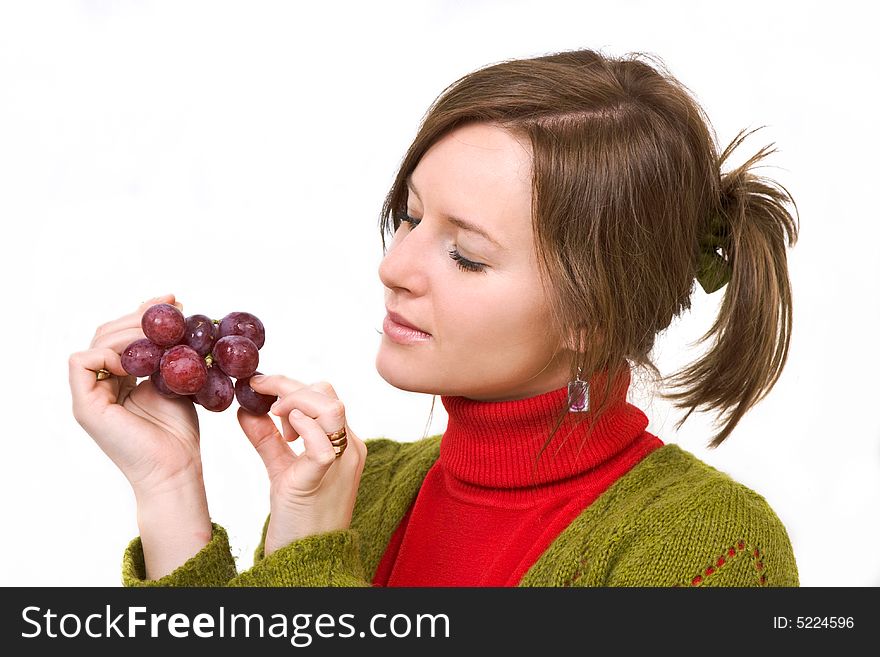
(759, 553)
(329, 559)
(391, 478)
(213, 565)
(728, 537)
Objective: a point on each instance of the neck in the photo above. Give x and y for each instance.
(490, 450)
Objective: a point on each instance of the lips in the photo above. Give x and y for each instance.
(400, 319)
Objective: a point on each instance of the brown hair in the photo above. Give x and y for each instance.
(626, 183)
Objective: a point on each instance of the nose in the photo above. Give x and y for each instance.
(403, 266)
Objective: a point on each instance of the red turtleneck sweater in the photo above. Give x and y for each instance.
(482, 517)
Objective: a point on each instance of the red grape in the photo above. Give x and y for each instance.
(183, 370)
(246, 324)
(162, 387)
(163, 324)
(236, 355)
(251, 400)
(197, 358)
(217, 393)
(199, 334)
(141, 357)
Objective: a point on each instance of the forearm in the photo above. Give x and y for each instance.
(174, 526)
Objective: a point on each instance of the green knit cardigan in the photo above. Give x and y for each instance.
(672, 520)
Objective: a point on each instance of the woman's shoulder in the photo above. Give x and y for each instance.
(674, 520)
(673, 478)
(693, 513)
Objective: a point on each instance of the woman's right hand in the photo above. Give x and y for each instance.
(153, 440)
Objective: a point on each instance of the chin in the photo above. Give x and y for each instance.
(402, 375)
(402, 383)
(396, 373)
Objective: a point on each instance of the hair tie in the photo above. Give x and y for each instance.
(714, 267)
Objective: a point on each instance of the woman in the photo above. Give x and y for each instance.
(549, 220)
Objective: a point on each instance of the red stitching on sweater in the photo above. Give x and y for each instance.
(759, 567)
(717, 563)
(579, 573)
(710, 570)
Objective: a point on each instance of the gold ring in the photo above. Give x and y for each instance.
(339, 441)
(102, 374)
(336, 434)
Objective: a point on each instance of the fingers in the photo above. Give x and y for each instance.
(326, 388)
(83, 368)
(279, 385)
(308, 411)
(318, 400)
(313, 415)
(328, 412)
(264, 436)
(275, 384)
(90, 396)
(312, 399)
(319, 453)
(163, 298)
(118, 340)
(132, 320)
(277, 455)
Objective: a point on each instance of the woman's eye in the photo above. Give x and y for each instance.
(405, 218)
(463, 263)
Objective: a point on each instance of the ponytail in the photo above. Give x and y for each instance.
(752, 332)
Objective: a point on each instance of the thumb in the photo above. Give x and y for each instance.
(267, 440)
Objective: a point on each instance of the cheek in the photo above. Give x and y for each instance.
(495, 316)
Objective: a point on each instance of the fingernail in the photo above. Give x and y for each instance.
(273, 406)
(256, 378)
(297, 413)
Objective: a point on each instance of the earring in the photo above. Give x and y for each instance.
(578, 394)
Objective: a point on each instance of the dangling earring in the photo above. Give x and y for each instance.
(578, 394)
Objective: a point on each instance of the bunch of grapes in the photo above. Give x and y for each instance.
(197, 357)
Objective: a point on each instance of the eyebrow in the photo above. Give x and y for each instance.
(456, 221)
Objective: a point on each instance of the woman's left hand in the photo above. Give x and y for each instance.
(313, 492)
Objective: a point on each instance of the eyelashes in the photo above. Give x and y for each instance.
(463, 263)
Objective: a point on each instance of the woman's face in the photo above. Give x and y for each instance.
(488, 330)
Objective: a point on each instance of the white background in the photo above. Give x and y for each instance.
(237, 155)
